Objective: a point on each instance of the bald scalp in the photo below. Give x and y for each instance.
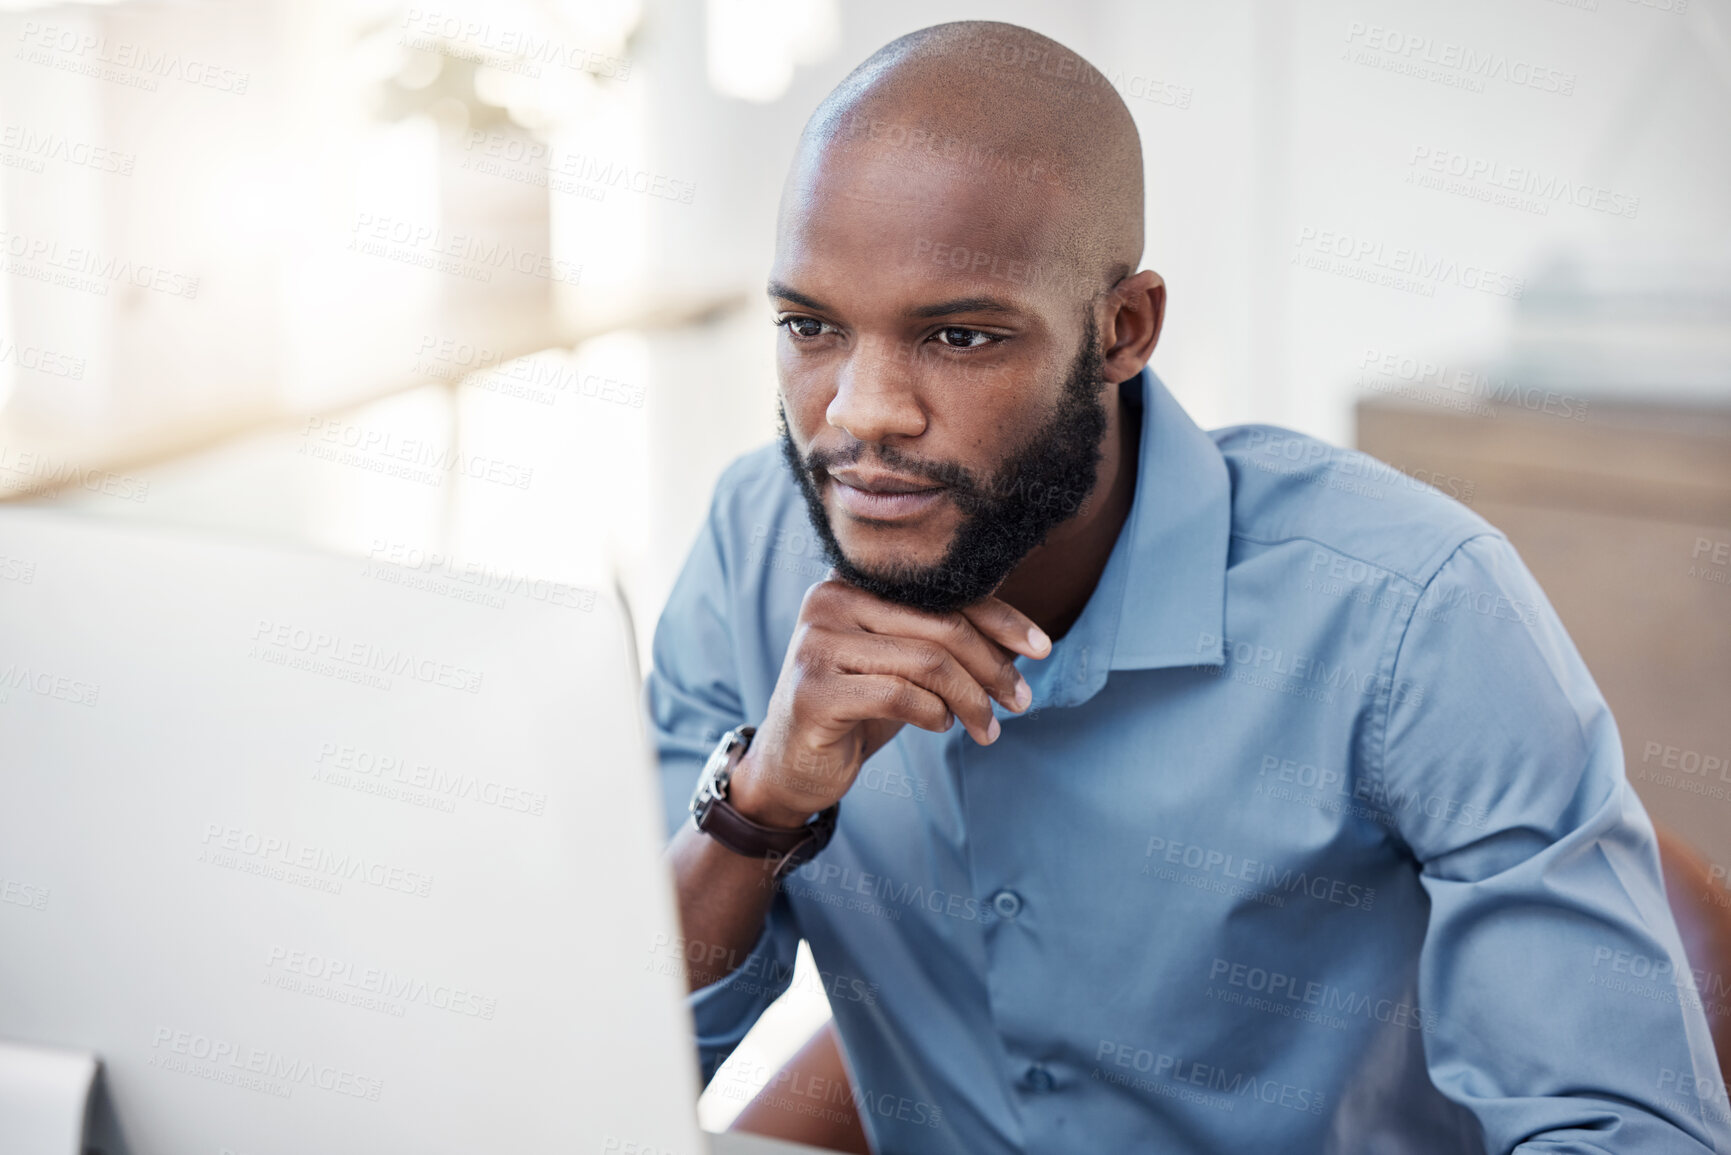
(995, 107)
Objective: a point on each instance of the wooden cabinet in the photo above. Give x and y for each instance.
(1625, 519)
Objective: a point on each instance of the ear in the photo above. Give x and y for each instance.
(1135, 307)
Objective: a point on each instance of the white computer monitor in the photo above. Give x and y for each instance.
(319, 854)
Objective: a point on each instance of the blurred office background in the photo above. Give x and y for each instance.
(483, 282)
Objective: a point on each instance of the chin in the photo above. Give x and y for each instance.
(885, 548)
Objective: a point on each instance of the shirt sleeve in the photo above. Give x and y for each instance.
(1567, 1014)
(692, 698)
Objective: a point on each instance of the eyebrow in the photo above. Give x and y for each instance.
(787, 293)
(940, 309)
(964, 305)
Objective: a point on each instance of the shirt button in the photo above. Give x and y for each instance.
(1007, 903)
(1039, 1079)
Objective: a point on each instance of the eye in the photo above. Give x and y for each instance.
(802, 328)
(956, 337)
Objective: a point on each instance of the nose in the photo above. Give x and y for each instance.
(875, 395)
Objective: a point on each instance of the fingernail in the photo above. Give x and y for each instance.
(1037, 638)
(993, 731)
(1024, 694)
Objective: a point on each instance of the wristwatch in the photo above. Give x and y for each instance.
(716, 816)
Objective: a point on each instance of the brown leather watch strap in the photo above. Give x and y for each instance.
(752, 839)
(718, 818)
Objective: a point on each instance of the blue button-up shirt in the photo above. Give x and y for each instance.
(1316, 839)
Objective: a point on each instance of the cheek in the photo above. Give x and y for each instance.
(990, 418)
(805, 393)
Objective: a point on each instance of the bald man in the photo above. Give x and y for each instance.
(1135, 787)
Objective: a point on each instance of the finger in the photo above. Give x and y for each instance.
(925, 663)
(990, 664)
(1008, 626)
(868, 697)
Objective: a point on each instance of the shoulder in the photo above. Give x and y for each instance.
(759, 519)
(754, 478)
(1291, 488)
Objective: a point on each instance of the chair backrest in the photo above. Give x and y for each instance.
(1705, 926)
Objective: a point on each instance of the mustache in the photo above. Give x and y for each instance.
(946, 473)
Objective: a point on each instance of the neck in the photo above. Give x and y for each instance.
(1054, 582)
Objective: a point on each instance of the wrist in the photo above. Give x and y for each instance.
(748, 794)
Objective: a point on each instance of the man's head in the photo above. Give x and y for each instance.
(953, 275)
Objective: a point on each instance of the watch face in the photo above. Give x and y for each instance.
(712, 783)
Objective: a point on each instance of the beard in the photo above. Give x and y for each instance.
(1004, 517)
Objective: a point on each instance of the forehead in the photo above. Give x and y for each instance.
(885, 221)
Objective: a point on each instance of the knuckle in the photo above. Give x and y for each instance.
(956, 626)
(817, 650)
(821, 598)
(931, 657)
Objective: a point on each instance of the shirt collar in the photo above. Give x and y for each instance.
(1172, 611)
(1161, 599)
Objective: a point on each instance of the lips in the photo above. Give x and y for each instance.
(881, 482)
(883, 496)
